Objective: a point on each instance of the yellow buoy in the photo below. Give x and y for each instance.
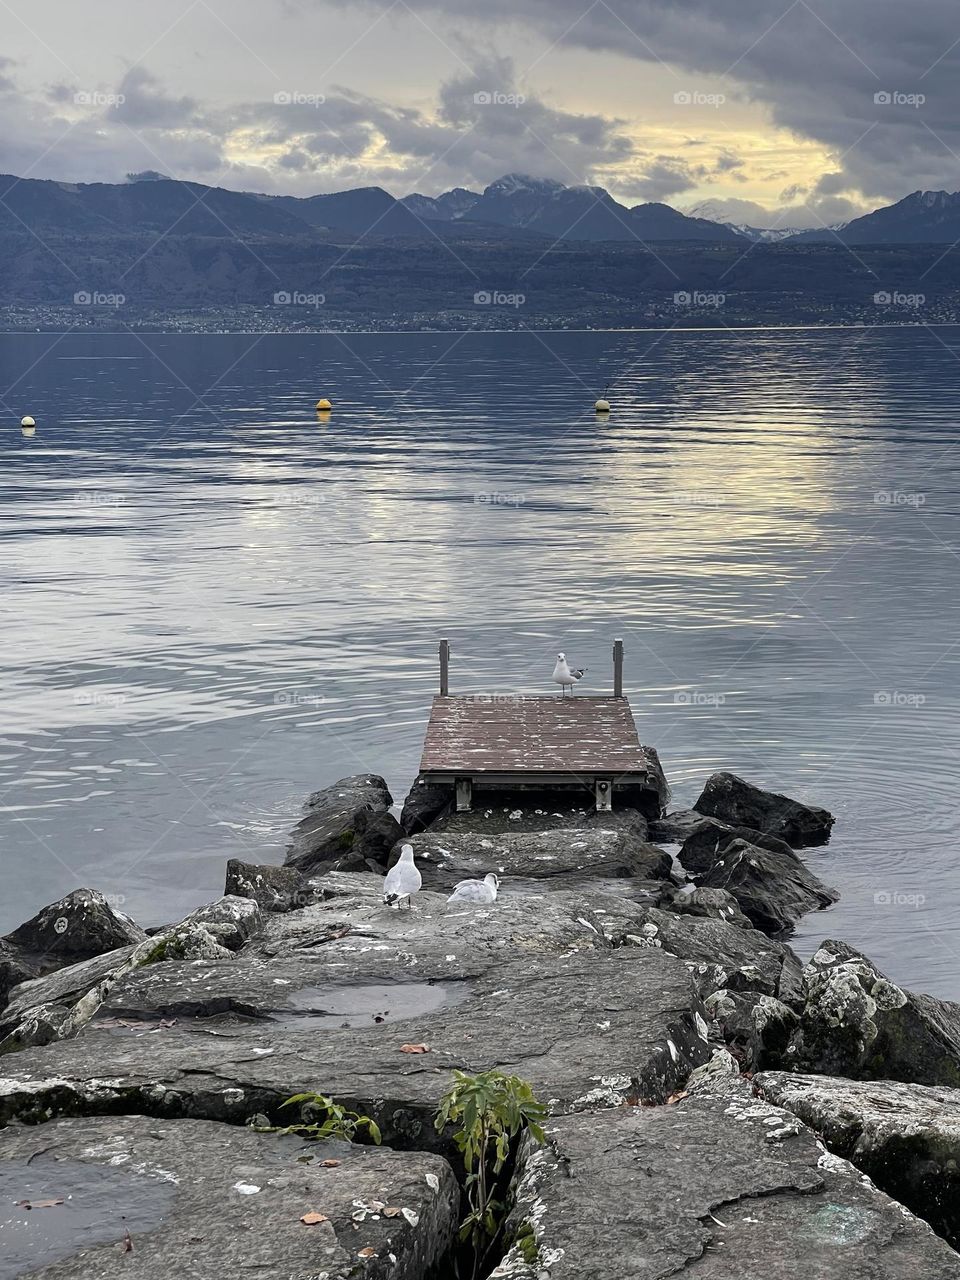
(27, 421)
(27, 426)
(602, 406)
(324, 404)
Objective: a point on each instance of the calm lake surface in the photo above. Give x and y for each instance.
(214, 603)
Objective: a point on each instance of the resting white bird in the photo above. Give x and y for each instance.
(564, 676)
(483, 891)
(403, 879)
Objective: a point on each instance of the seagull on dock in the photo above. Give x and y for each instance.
(483, 892)
(565, 676)
(403, 879)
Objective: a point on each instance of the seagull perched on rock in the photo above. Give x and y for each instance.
(564, 676)
(480, 891)
(403, 879)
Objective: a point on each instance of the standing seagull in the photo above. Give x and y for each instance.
(403, 879)
(564, 677)
(481, 891)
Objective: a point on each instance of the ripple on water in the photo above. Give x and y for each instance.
(214, 609)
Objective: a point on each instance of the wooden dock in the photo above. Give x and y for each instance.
(509, 742)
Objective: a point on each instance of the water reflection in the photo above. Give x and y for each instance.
(216, 601)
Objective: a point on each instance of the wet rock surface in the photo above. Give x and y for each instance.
(675, 827)
(198, 1199)
(706, 844)
(596, 976)
(78, 927)
(755, 1028)
(81, 925)
(906, 1137)
(560, 855)
(722, 956)
(271, 888)
(716, 904)
(346, 827)
(741, 804)
(425, 803)
(15, 968)
(857, 1023)
(773, 890)
(499, 815)
(63, 987)
(719, 1185)
(59, 1006)
(585, 1029)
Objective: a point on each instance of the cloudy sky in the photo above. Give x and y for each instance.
(772, 112)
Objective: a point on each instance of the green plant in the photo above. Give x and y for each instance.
(332, 1120)
(488, 1111)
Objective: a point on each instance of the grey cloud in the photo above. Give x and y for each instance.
(816, 66)
(484, 125)
(145, 104)
(662, 180)
(815, 212)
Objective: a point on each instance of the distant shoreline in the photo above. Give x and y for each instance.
(385, 332)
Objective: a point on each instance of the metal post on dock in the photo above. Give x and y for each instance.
(618, 668)
(444, 668)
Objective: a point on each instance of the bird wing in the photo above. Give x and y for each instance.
(467, 891)
(393, 880)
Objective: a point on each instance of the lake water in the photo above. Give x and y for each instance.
(214, 603)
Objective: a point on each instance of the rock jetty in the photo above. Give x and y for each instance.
(716, 1107)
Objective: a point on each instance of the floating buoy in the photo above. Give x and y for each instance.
(28, 426)
(323, 405)
(602, 406)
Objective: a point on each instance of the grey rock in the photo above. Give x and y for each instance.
(706, 844)
(62, 988)
(524, 813)
(577, 853)
(81, 925)
(716, 904)
(755, 1028)
(15, 968)
(78, 927)
(539, 919)
(651, 799)
(272, 888)
(346, 827)
(230, 920)
(424, 805)
(774, 891)
(674, 828)
(722, 1184)
(741, 804)
(722, 956)
(211, 1201)
(587, 1022)
(905, 1137)
(858, 1023)
(59, 1007)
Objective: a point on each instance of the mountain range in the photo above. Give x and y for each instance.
(515, 206)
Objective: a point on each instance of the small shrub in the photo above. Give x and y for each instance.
(332, 1120)
(488, 1111)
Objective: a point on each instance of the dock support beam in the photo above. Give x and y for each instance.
(444, 668)
(618, 668)
(464, 795)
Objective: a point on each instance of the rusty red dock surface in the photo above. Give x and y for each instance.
(579, 736)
